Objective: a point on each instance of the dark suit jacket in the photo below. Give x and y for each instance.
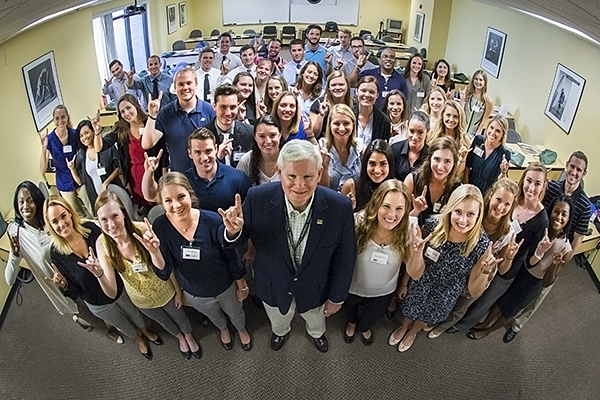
(243, 134)
(382, 129)
(328, 260)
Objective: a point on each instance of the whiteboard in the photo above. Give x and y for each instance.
(344, 12)
(250, 12)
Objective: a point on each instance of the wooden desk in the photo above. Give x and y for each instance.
(554, 170)
(590, 242)
(108, 118)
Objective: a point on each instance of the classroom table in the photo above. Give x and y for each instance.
(190, 56)
(240, 40)
(514, 172)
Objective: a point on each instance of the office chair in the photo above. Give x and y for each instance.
(364, 32)
(155, 212)
(215, 32)
(196, 33)
(513, 136)
(367, 37)
(124, 197)
(44, 189)
(388, 39)
(288, 32)
(178, 45)
(413, 50)
(3, 225)
(269, 32)
(423, 52)
(331, 26)
(249, 32)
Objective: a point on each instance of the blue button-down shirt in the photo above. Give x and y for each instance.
(146, 85)
(396, 81)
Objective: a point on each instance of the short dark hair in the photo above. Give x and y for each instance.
(296, 41)
(313, 26)
(201, 134)
(580, 154)
(357, 38)
(113, 62)
(207, 49)
(247, 47)
(224, 34)
(154, 56)
(274, 40)
(225, 90)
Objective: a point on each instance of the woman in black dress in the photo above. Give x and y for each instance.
(411, 153)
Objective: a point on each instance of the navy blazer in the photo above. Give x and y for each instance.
(328, 260)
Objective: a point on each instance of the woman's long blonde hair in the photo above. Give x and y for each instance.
(439, 130)
(113, 254)
(500, 228)
(442, 230)
(60, 243)
(367, 227)
(344, 110)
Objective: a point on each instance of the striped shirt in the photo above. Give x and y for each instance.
(583, 207)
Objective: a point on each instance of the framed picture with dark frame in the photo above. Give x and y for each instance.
(183, 13)
(43, 90)
(565, 96)
(419, 24)
(171, 19)
(493, 51)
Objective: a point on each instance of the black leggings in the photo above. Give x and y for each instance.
(365, 311)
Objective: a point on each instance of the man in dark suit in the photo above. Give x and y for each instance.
(304, 239)
(234, 138)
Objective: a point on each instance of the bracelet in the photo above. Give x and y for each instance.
(151, 117)
(244, 289)
(101, 275)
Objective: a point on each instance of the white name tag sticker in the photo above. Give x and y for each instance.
(476, 108)
(420, 94)
(516, 226)
(237, 155)
(101, 171)
(432, 254)
(437, 207)
(190, 253)
(478, 151)
(139, 267)
(45, 240)
(379, 258)
(141, 131)
(67, 149)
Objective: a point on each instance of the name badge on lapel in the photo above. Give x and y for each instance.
(379, 258)
(138, 267)
(478, 151)
(432, 254)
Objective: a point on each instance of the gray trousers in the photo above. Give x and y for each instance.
(281, 323)
(214, 307)
(526, 313)
(480, 308)
(459, 310)
(171, 318)
(121, 314)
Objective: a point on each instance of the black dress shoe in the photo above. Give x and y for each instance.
(186, 354)
(369, 341)
(452, 329)
(391, 314)
(321, 343)
(509, 336)
(158, 341)
(228, 345)
(247, 346)
(348, 338)
(148, 353)
(277, 342)
(198, 353)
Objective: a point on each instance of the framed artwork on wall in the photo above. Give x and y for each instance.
(43, 90)
(564, 97)
(183, 13)
(171, 19)
(493, 51)
(419, 24)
